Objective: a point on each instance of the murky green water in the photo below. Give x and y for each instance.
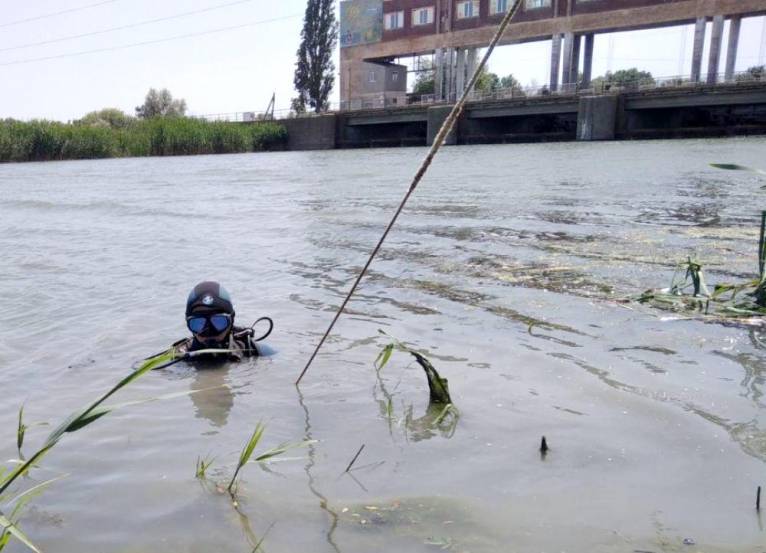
(657, 426)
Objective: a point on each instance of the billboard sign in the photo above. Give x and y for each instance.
(361, 22)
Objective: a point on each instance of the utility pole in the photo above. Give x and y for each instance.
(269, 114)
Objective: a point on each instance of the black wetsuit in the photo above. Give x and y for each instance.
(240, 345)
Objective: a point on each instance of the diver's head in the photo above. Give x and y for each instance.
(210, 314)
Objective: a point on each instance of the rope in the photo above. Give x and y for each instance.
(437, 144)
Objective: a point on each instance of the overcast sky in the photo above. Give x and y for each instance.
(238, 68)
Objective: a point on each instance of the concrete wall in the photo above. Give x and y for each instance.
(311, 133)
(597, 118)
(436, 117)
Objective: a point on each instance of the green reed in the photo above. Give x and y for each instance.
(41, 140)
(249, 449)
(691, 293)
(203, 464)
(75, 422)
(438, 386)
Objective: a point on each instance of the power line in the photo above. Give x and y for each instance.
(123, 27)
(149, 42)
(54, 14)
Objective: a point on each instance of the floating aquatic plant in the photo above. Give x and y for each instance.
(737, 167)
(22, 429)
(202, 466)
(691, 293)
(437, 385)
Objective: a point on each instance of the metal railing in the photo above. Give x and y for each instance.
(596, 87)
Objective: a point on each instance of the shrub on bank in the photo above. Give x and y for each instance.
(48, 140)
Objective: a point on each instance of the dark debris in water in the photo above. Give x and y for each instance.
(738, 303)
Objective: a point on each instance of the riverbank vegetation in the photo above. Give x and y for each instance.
(111, 133)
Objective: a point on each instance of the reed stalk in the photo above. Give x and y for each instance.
(76, 421)
(762, 246)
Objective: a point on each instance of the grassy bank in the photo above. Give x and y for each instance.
(48, 140)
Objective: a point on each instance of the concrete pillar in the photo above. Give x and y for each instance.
(575, 70)
(471, 62)
(555, 61)
(460, 68)
(438, 74)
(449, 72)
(436, 116)
(731, 50)
(716, 37)
(566, 74)
(699, 44)
(597, 117)
(587, 62)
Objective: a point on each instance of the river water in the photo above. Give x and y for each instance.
(503, 269)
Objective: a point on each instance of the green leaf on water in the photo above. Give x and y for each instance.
(737, 167)
(280, 449)
(449, 408)
(22, 428)
(730, 167)
(437, 386)
(384, 356)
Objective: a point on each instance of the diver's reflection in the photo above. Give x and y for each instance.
(212, 397)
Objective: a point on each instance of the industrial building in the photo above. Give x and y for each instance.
(375, 33)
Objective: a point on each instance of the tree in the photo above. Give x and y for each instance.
(487, 82)
(632, 77)
(161, 104)
(315, 70)
(425, 82)
(509, 81)
(108, 118)
(754, 73)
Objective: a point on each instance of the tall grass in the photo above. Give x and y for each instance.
(49, 140)
(76, 421)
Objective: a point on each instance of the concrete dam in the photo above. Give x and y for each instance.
(669, 112)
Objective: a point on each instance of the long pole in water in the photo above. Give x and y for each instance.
(762, 246)
(442, 134)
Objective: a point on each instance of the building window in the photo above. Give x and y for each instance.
(468, 8)
(422, 16)
(535, 4)
(373, 77)
(395, 76)
(498, 6)
(394, 20)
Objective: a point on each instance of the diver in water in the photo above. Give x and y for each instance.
(210, 318)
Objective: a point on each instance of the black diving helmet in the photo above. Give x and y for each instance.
(209, 311)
